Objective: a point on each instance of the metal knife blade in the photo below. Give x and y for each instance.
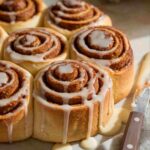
(142, 101)
(133, 128)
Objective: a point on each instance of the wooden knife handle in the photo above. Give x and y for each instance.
(133, 131)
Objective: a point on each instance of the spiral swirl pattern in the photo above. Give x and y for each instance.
(105, 45)
(13, 87)
(18, 10)
(37, 44)
(72, 82)
(73, 14)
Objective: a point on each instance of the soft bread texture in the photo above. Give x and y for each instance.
(105, 20)
(17, 124)
(3, 36)
(35, 21)
(49, 119)
(72, 16)
(36, 61)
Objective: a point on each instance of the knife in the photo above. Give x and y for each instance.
(135, 123)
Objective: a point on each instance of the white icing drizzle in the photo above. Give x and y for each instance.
(9, 126)
(105, 62)
(66, 83)
(66, 69)
(133, 104)
(13, 18)
(3, 78)
(99, 38)
(29, 39)
(23, 90)
(65, 8)
(41, 88)
(57, 19)
(90, 121)
(25, 115)
(100, 21)
(18, 57)
(89, 143)
(62, 147)
(67, 110)
(74, 2)
(12, 15)
(8, 2)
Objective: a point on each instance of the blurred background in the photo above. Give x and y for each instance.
(131, 16)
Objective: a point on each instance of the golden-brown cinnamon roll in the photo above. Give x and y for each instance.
(72, 100)
(3, 36)
(15, 103)
(18, 14)
(110, 48)
(67, 16)
(35, 48)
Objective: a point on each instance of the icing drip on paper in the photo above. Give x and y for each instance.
(89, 143)
(62, 147)
(114, 125)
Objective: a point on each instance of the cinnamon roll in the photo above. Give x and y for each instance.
(34, 48)
(110, 48)
(3, 36)
(67, 16)
(18, 14)
(15, 103)
(72, 101)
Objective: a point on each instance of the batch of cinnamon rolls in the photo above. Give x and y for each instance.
(62, 69)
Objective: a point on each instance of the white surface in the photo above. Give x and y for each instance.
(140, 47)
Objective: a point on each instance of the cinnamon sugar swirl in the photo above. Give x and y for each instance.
(67, 16)
(18, 14)
(73, 100)
(110, 48)
(16, 120)
(34, 48)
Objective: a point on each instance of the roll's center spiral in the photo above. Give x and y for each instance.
(72, 3)
(66, 72)
(3, 78)
(9, 82)
(30, 40)
(13, 5)
(100, 40)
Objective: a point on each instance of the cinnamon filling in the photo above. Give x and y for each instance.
(104, 43)
(74, 14)
(18, 10)
(36, 41)
(71, 78)
(10, 81)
